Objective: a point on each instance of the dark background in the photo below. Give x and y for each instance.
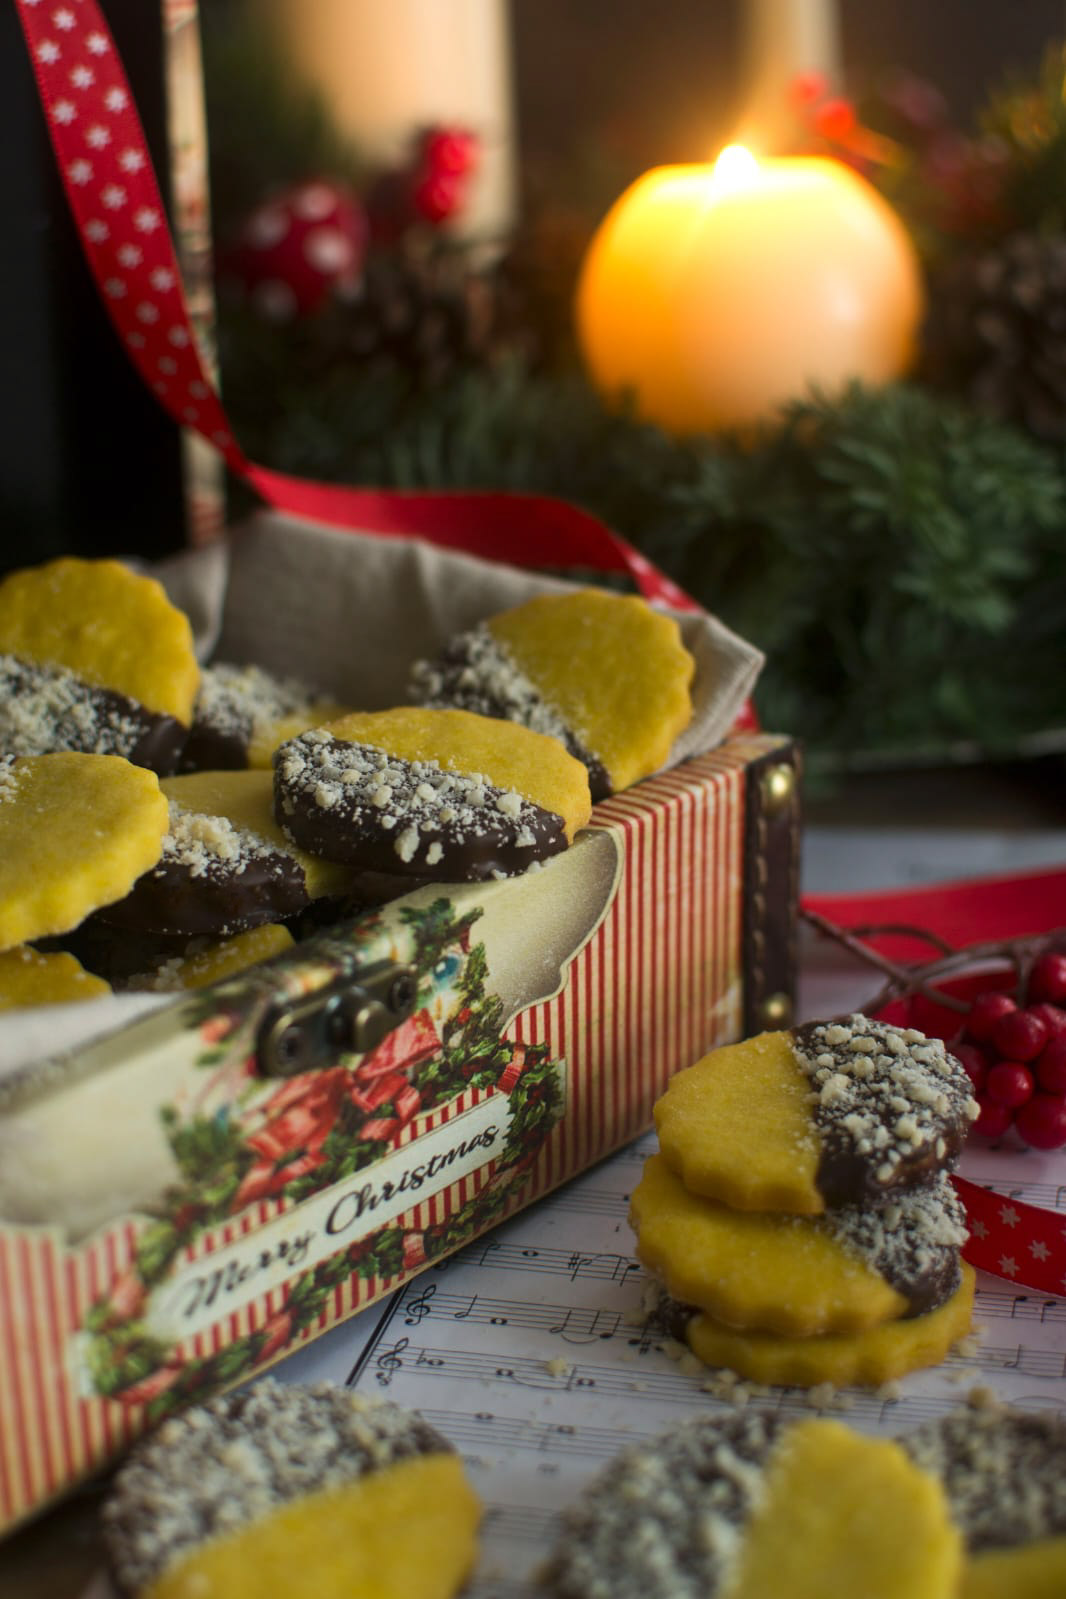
(89, 464)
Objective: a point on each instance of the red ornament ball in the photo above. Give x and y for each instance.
(1042, 1122)
(300, 247)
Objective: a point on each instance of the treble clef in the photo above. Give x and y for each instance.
(389, 1362)
(417, 1309)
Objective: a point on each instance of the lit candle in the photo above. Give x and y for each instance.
(712, 295)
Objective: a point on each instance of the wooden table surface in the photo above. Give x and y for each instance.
(55, 1556)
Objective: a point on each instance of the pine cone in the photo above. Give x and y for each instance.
(433, 310)
(997, 332)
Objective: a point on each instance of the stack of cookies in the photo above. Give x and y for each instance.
(799, 1219)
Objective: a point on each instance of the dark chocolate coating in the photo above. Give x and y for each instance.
(170, 900)
(104, 721)
(849, 1176)
(477, 843)
(213, 749)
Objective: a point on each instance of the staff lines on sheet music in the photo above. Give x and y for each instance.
(573, 1323)
(1004, 1306)
(606, 1265)
(645, 1383)
(527, 1371)
(477, 1432)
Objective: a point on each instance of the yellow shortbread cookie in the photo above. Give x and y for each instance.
(76, 831)
(873, 1356)
(605, 673)
(841, 1514)
(1035, 1571)
(825, 1115)
(109, 625)
(442, 795)
(29, 977)
(786, 1274)
(737, 1126)
(351, 1542)
(224, 959)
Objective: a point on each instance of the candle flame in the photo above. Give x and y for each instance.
(735, 167)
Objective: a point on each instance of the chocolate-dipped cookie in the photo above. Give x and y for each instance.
(310, 1492)
(604, 673)
(749, 1505)
(444, 796)
(1004, 1473)
(94, 658)
(225, 864)
(833, 1113)
(243, 713)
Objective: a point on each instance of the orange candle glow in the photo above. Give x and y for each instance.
(713, 294)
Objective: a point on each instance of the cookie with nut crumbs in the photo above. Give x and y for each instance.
(76, 831)
(243, 713)
(604, 673)
(94, 658)
(828, 1114)
(311, 1492)
(869, 1358)
(33, 977)
(746, 1505)
(1004, 1473)
(801, 1276)
(445, 796)
(225, 864)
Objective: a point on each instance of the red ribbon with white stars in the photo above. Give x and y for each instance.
(111, 186)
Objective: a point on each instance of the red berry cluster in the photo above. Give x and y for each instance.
(1016, 1057)
(432, 187)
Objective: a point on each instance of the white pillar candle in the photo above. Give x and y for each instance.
(782, 39)
(386, 68)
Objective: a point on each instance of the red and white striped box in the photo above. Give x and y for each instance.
(185, 1218)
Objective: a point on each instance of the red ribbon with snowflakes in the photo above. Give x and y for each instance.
(115, 200)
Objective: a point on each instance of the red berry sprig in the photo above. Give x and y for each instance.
(1016, 1057)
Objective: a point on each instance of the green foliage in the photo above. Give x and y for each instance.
(898, 558)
